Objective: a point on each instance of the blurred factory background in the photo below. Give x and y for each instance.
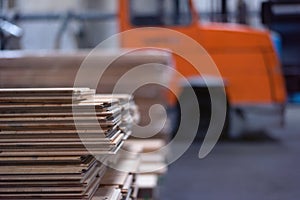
(98, 14)
(74, 24)
(257, 164)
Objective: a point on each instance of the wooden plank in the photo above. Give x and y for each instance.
(35, 145)
(57, 126)
(50, 132)
(47, 169)
(52, 191)
(44, 160)
(135, 191)
(33, 92)
(34, 100)
(57, 153)
(27, 183)
(39, 177)
(114, 178)
(52, 108)
(61, 152)
(146, 181)
(65, 119)
(63, 137)
(111, 112)
(127, 184)
(79, 177)
(53, 140)
(105, 193)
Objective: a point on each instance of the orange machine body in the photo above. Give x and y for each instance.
(245, 57)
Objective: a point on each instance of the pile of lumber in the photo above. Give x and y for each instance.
(134, 175)
(151, 168)
(59, 69)
(121, 181)
(50, 139)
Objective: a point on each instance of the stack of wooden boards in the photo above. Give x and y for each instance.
(50, 139)
(134, 175)
(151, 168)
(57, 69)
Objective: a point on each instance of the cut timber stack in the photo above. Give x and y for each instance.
(50, 139)
(59, 69)
(123, 181)
(134, 175)
(151, 168)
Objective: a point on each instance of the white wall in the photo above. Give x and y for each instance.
(97, 31)
(204, 6)
(46, 5)
(42, 34)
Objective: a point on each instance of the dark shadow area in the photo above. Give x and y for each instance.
(260, 136)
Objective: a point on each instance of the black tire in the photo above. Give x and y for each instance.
(204, 103)
(225, 135)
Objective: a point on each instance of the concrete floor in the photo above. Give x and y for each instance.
(241, 170)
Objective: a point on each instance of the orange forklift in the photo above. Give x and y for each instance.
(245, 57)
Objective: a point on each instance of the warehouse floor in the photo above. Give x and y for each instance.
(241, 170)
